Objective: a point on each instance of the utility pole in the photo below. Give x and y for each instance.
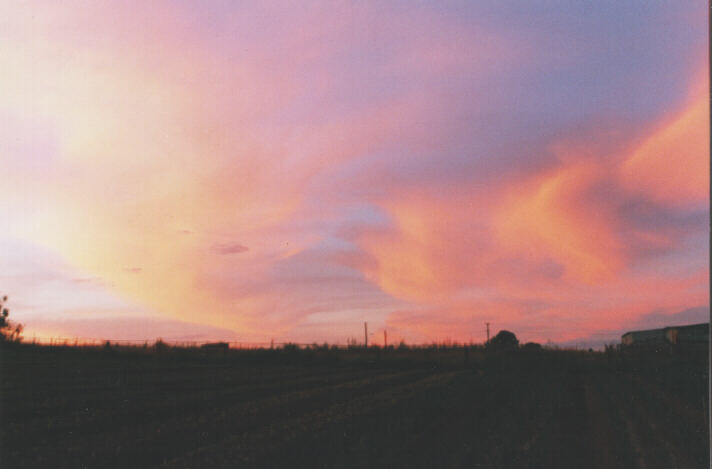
(365, 333)
(385, 338)
(487, 332)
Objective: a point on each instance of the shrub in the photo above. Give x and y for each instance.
(9, 331)
(160, 345)
(290, 347)
(532, 347)
(504, 340)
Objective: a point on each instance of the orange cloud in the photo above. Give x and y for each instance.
(556, 246)
(671, 165)
(550, 217)
(165, 151)
(436, 245)
(519, 238)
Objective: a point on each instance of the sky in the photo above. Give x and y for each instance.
(288, 170)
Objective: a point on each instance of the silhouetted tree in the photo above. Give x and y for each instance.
(9, 331)
(160, 346)
(531, 347)
(290, 347)
(504, 340)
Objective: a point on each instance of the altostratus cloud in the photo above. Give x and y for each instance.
(271, 169)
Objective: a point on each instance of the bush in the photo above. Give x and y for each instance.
(504, 340)
(290, 347)
(160, 346)
(532, 347)
(9, 331)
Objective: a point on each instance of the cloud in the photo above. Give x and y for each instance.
(554, 217)
(671, 166)
(87, 280)
(426, 167)
(226, 249)
(549, 239)
(652, 320)
(687, 316)
(131, 328)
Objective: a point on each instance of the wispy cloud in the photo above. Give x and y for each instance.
(428, 167)
(227, 249)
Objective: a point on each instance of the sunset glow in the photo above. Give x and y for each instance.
(209, 170)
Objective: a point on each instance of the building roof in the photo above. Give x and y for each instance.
(664, 329)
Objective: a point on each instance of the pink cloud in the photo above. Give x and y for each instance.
(377, 162)
(671, 165)
(226, 249)
(564, 242)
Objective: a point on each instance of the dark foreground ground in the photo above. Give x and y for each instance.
(72, 408)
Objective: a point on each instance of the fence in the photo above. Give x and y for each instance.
(94, 342)
(245, 345)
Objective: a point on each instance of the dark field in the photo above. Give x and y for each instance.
(73, 408)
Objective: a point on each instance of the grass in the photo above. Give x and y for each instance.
(323, 407)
